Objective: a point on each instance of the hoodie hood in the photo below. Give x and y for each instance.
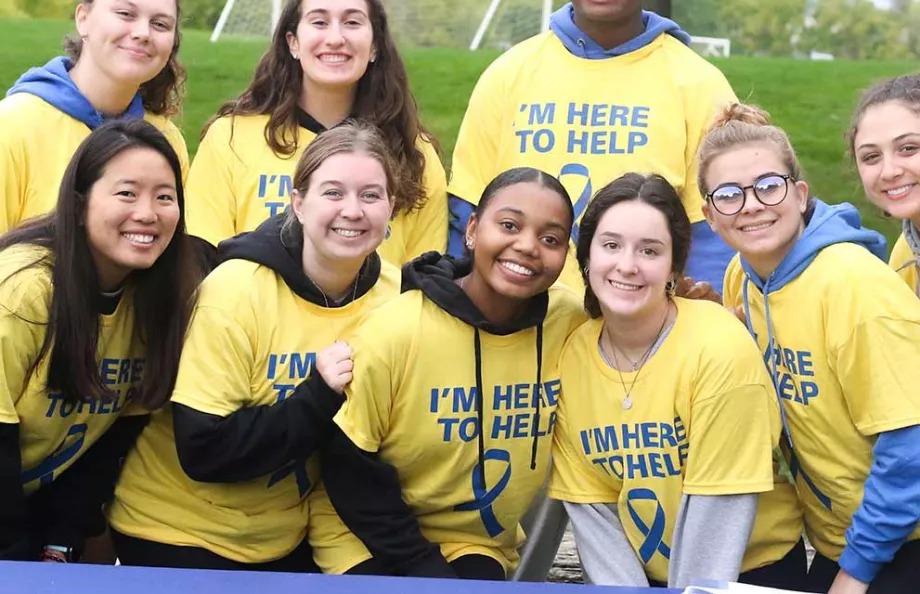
(562, 23)
(52, 84)
(434, 274)
(827, 225)
(264, 246)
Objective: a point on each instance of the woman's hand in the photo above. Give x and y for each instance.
(689, 289)
(334, 364)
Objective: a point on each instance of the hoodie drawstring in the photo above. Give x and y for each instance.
(477, 344)
(794, 466)
(537, 394)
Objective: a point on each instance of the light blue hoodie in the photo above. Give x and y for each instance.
(891, 499)
(52, 83)
(562, 23)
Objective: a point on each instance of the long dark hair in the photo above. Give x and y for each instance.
(161, 95)
(653, 190)
(382, 98)
(163, 294)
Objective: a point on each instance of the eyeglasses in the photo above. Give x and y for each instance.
(769, 190)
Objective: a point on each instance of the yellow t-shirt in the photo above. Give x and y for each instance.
(589, 121)
(37, 141)
(904, 262)
(237, 182)
(703, 421)
(413, 400)
(846, 333)
(251, 342)
(55, 432)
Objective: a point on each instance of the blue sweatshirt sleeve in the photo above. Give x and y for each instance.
(890, 508)
(460, 211)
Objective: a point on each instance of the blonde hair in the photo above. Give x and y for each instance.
(739, 124)
(349, 137)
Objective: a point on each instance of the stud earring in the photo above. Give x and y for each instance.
(295, 56)
(469, 245)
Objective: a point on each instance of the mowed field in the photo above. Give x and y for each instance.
(813, 101)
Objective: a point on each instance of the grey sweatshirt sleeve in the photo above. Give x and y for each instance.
(710, 537)
(607, 557)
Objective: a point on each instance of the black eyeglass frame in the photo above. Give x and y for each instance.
(753, 188)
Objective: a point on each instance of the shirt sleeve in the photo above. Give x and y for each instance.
(880, 389)
(428, 231)
(20, 342)
(607, 557)
(12, 179)
(217, 359)
(710, 537)
(731, 430)
(210, 205)
(476, 153)
(702, 100)
(365, 416)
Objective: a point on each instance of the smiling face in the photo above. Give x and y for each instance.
(334, 42)
(521, 240)
(763, 234)
(630, 260)
(345, 209)
(131, 214)
(128, 41)
(887, 150)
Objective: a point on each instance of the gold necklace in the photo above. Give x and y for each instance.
(637, 367)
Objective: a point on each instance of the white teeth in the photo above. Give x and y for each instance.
(756, 227)
(624, 286)
(898, 192)
(517, 268)
(138, 238)
(333, 59)
(348, 232)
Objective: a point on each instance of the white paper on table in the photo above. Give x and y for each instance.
(733, 588)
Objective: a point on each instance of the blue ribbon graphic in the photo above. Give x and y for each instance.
(484, 499)
(654, 534)
(61, 456)
(582, 203)
(299, 469)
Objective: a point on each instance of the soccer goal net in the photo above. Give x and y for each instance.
(473, 24)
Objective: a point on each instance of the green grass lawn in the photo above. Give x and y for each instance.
(813, 101)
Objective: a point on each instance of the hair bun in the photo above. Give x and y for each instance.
(740, 112)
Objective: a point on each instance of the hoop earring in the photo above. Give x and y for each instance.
(585, 271)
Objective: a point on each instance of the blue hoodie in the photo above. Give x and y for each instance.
(891, 500)
(562, 23)
(52, 84)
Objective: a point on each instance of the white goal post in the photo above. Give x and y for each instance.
(273, 17)
(706, 46)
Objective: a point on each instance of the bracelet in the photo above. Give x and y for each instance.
(57, 554)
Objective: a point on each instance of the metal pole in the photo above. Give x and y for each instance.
(486, 20)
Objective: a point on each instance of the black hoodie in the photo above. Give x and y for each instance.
(364, 489)
(259, 440)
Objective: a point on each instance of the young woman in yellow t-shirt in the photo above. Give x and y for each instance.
(885, 144)
(328, 60)
(95, 298)
(667, 421)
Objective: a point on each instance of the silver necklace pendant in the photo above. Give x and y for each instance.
(627, 403)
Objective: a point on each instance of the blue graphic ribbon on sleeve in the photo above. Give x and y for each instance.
(654, 534)
(299, 469)
(484, 499)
